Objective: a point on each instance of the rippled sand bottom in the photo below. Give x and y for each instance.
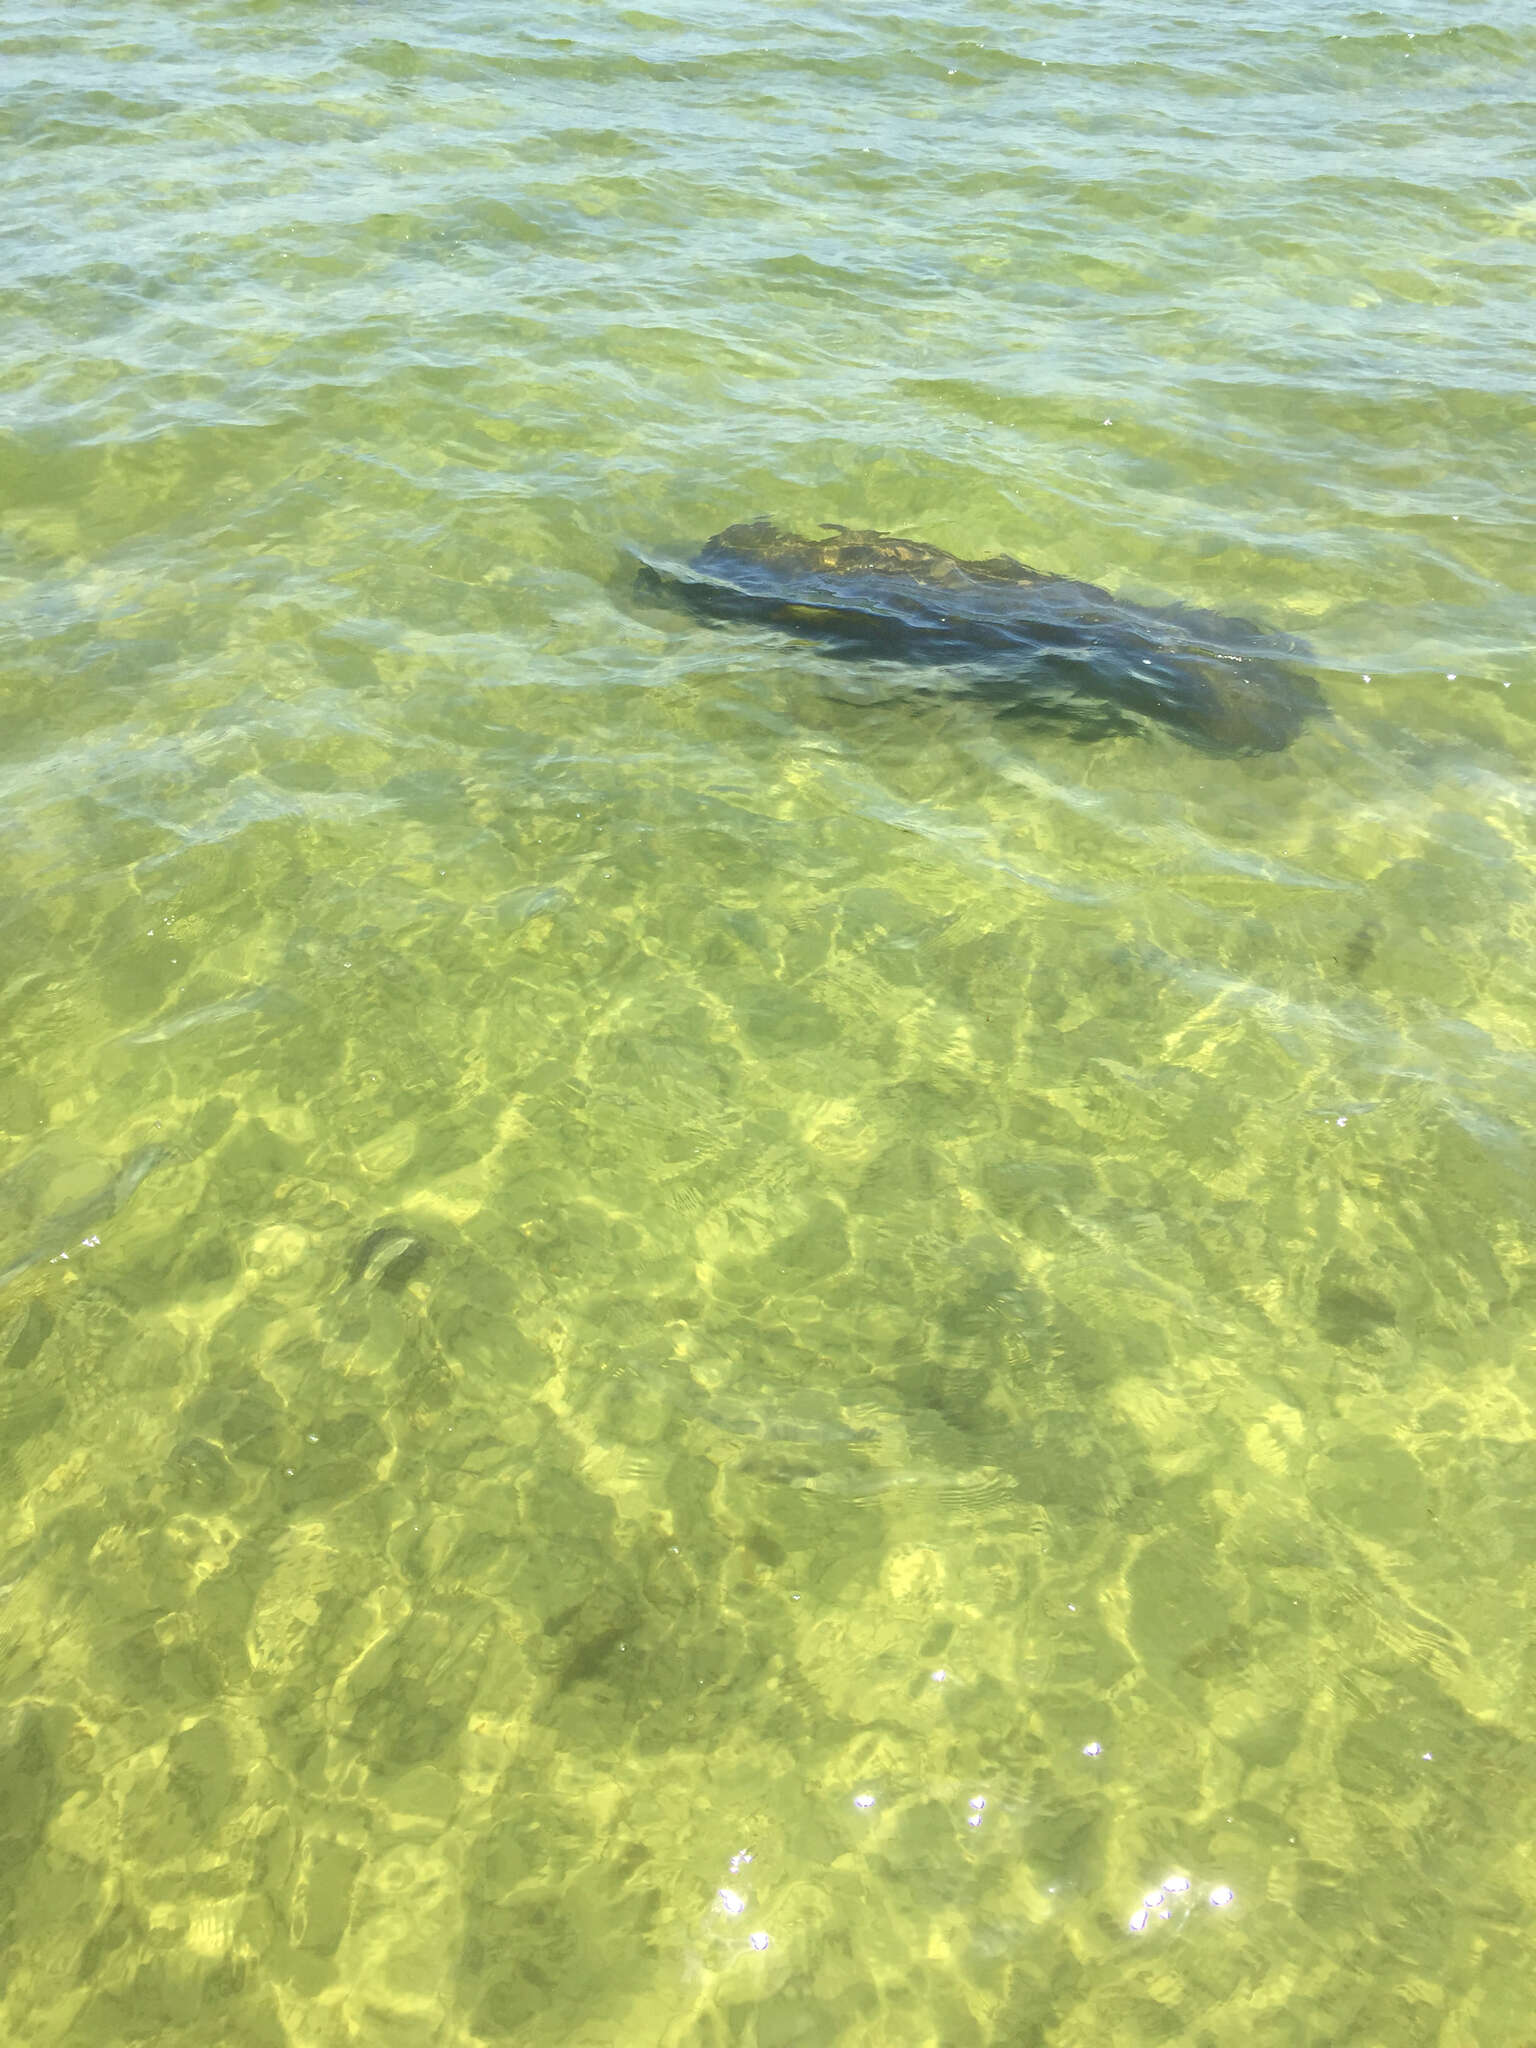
(694, 1348)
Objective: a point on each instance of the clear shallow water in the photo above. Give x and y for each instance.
(903, 1193)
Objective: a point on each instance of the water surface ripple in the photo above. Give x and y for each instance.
(695, 1348)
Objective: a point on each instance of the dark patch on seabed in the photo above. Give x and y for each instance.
(389, 1257)
(1028, 641)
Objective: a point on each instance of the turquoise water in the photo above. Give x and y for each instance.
(695, 1349)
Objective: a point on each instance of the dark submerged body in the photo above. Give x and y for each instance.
(1033, 642)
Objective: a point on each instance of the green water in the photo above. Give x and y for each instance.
(694, 1351)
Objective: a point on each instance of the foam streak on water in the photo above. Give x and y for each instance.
(694, 1347)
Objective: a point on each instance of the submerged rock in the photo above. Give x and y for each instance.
(1030, 641)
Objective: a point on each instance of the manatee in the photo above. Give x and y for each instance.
(1028, 641)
